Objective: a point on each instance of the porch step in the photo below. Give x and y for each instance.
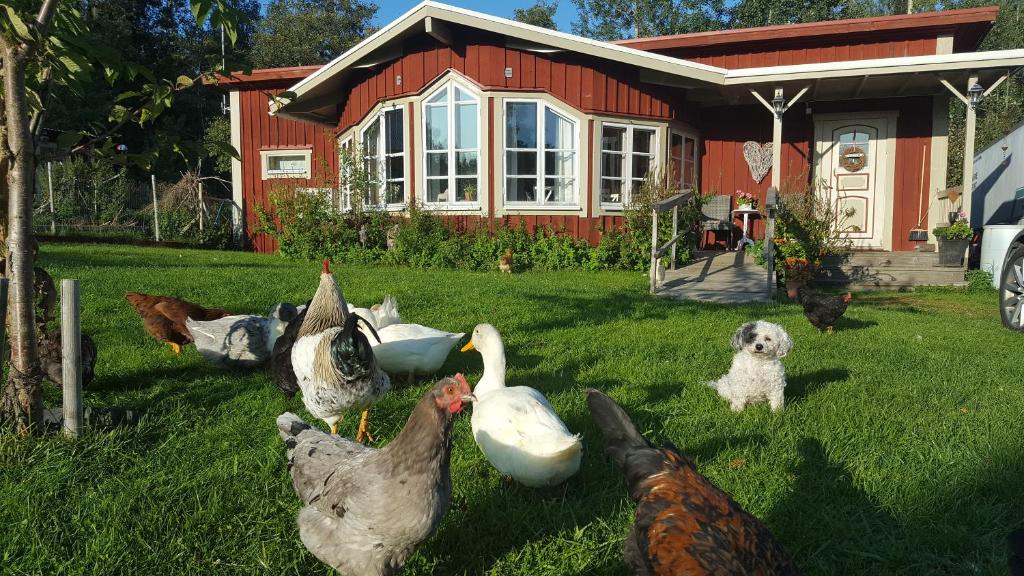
(888, 270)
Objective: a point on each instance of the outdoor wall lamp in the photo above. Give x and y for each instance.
(779, 103)
(974, 94)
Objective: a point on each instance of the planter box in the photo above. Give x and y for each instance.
(951, 252)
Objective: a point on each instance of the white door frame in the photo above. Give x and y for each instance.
(885, 201)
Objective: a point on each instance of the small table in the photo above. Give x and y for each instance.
(746, 213)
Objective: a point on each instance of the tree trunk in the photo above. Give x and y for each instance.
(21, 401)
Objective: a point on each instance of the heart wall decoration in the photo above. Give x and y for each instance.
(759, 158)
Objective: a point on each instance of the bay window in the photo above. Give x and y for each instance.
(383, 149)
(451, 119)
(627, 156)
(540, 155)
(683, 159)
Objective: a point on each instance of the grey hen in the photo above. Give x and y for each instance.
(367, 509)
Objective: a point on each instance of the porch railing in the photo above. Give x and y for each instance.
(671, 203)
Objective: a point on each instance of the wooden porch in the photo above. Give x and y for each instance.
(722, 277)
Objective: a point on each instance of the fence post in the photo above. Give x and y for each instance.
(675, 232)
(202, 208)
(156, 212)
(71, 358)
(49, 184)
(654, 249)
(3, 319)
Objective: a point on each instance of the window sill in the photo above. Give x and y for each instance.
(452, 207)
(540, 208)
(612, 207)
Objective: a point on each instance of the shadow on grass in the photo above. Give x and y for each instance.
(799, 386)
(845, 323)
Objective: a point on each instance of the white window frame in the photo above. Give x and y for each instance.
(541, 202)
(452, 177)
(267, 155)
(696, 156)
(627, 153)
(382, 156)
(344, 172)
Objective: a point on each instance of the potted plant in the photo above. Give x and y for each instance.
(953, 241)
(745, 200)
(798, 272)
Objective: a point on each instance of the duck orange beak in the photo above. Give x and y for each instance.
(469, 346)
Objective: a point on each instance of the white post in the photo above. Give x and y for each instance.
(777, 144)
(968, 174)
(49, 184)
(654, 249)
(71, 358)
(156, 211)
(202, 208)
(675, 232)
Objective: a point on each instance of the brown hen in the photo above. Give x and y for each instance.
(684, 524)
(164, 317)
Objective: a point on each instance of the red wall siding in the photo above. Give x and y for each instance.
(261, 131)
(724, 170)
(583, 83)
(750, 55)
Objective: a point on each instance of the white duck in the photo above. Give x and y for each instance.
(380, 315)
(412, 348)
(240, 341)
(516, 428)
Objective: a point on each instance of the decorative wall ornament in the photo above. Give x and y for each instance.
(853, 158)
(759, 158)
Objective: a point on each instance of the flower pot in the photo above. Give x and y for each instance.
(792, 286)
(951, 252)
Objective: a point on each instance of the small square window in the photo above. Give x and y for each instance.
(286, 163)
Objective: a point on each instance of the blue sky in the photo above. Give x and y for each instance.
(391, 9)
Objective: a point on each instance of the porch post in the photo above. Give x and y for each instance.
(777, 143)
(968, 170)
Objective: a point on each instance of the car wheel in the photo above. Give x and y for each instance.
(1011, 289)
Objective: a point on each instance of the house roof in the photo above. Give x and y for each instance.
(288, 75)
(314, 98)
(968, 25)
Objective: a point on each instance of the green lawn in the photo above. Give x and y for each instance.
(899, 452)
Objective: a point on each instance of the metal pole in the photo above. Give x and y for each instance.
(654, 250)
(156, 212)
(675, 232)
(3, 320)
(49, 184)
(71, 360)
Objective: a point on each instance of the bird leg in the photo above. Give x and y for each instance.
(363, 428)
(176, 347)
(334, 428)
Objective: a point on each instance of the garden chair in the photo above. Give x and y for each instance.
(716, 216)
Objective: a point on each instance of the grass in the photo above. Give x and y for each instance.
(899, 451)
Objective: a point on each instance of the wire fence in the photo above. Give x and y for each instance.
(94, 198)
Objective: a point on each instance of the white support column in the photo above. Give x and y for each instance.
(237, 195)
(968, 169)
(777, 144)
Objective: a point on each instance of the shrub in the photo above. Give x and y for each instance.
(959, 230)
(979, 280)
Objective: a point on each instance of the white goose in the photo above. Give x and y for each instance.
(516, 428)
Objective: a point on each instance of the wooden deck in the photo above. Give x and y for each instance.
(723, 277)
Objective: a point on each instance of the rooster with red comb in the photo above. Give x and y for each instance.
(333, 360)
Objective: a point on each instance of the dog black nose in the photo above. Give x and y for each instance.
(759, 347)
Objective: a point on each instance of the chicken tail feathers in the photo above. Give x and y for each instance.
(620, 435)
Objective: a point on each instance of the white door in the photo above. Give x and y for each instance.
(855, 176)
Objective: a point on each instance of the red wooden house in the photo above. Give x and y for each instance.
(481, 118)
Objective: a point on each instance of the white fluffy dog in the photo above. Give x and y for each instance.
(756, 373)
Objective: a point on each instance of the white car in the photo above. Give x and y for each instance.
(1011, 285)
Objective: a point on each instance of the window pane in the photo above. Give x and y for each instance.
(393, 127)
(462, 96)
(558, 131)
(611, 191)
(437, 164)
(643, 140)
(559, 163)
(466, 119)
(440, 97)
(465, 163)
(521, 163)
(612, 138)
(370, 140)
(437, 190)
(395, 167)
(395, 192)
(287, 164)
(688, 175)
(611, 165)
(520, 125)
(437, 127)
(521, 189)
(691, 149)
(465, 190)
(558, 191)
(676, 145)
(641, 166)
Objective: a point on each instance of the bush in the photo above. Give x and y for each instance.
(979, 280)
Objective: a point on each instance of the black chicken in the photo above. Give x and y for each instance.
(281, 358)
(821, 311)
(684, 523)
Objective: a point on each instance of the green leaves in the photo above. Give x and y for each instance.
(14, 24)
(224, 148)
(201, 9)
(183, 82)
